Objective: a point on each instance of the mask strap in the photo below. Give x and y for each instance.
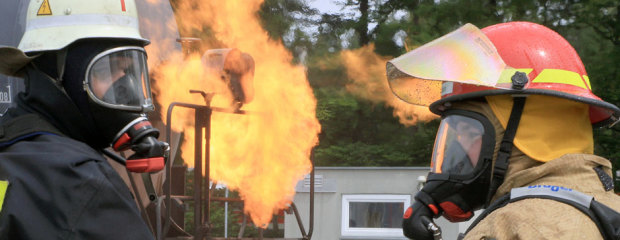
(505, 148)
(61, 59)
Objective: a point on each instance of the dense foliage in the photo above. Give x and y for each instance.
(360, 132)
(357, 132)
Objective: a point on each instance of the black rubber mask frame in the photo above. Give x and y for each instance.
(117, 78)
(485, 154)
(456, 196)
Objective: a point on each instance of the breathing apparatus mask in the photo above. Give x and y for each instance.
(460, 172)
(465, 170)
(119, 95)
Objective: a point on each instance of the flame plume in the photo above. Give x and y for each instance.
(261, 154)
(367, 70)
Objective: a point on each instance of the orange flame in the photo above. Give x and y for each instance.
(367, 70)
(261, 154)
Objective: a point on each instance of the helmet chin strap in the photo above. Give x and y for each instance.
(519, 81)
(505, 148)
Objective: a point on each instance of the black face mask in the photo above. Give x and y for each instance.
(119, 128)
(455, 195)
(461, 172)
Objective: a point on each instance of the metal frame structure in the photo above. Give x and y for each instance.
(201, 197)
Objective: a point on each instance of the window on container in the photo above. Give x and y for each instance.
(373, 215)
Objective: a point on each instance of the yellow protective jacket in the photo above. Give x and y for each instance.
(544, 218)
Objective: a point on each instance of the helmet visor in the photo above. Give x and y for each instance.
(118, 78)
(458, 145)
(465, 55)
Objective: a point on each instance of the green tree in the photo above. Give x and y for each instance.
(359, 133)
(396, 26)
(597, 39)
(280, 17)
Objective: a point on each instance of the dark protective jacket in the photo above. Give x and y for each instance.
(56, 185)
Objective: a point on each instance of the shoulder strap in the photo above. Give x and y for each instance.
(606, 219)
(609, 219)
(24, 126)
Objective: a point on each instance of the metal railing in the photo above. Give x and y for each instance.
(201, 197)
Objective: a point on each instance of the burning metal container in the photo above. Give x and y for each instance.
(255, 137)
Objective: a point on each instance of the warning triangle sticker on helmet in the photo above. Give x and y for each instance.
(45, 8)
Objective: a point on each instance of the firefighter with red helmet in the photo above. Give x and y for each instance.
(87, 89)
(515, 136)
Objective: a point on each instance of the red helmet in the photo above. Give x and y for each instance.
(550, 63)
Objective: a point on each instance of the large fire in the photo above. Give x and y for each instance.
(261, 154)
(367, 70)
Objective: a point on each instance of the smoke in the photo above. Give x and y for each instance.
(366, 69)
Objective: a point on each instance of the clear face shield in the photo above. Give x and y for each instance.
(118, 79)
(463, 56)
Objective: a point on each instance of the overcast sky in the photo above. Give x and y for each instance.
(326, 6)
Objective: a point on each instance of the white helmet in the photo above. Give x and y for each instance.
(54, 24)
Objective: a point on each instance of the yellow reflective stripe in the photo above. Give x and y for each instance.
(560, 76)
(585, 77)
(508, 73)
(3, 186)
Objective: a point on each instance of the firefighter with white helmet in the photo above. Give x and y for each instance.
(515, 136)
(87, 89)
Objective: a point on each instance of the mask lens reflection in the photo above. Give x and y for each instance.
(120, 78)
(458, 145)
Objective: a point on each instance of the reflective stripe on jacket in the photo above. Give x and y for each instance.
(545, 218)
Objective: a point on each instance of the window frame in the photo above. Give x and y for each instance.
(347, 231)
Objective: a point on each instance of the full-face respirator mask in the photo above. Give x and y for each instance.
(460, 173)
(119, 93)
